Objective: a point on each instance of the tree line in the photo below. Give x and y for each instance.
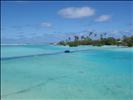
(86, 40)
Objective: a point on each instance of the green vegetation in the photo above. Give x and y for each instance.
(125, 41)
(128, 41)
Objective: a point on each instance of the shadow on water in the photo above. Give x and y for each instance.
(32, 87)
(42, 83)
(35, 55)
(43, 54)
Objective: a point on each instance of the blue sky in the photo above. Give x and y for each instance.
(41, 21)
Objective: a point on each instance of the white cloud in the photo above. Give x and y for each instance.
(103, 18)
(76, 12)
(46, 24)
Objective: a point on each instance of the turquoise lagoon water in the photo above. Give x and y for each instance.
(100, 73)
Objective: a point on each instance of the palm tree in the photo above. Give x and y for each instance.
(87, 37)
(76, 38)
(104, 34)
(101, 36)
(82, 37)
(90, 33)
(69, 38)
(124, 36)
(95, 35)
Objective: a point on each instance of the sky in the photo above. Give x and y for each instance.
(51, 21)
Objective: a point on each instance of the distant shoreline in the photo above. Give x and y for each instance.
(20, 44)
(125, 41)
(98, 46)
(62, 45)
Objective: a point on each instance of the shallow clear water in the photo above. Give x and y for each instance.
(100, 73)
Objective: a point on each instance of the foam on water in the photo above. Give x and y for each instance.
(100, 73)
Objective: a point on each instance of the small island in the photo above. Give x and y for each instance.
(86, 40)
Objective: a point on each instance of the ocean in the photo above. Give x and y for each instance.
(45, 72)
